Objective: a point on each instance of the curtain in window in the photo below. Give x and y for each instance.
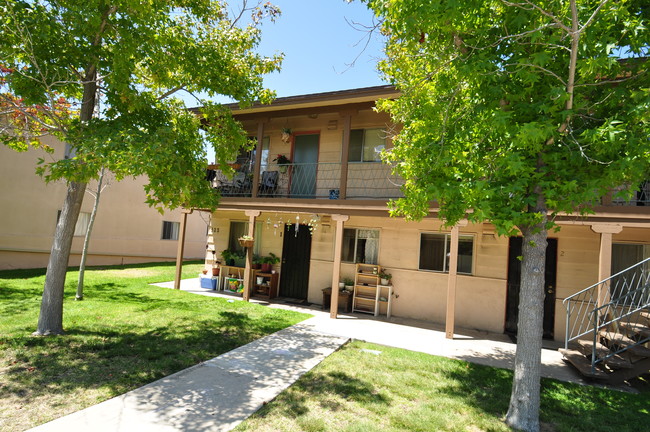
(465, 252)
(373, 143)
(237, 229)
(349, 239)
(367, 246)
(623, 257)
(82, 224)
(170, 230)
(355, 149)
(432, 252)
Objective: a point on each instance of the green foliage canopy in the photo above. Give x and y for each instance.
(139, 55)
(494, 117)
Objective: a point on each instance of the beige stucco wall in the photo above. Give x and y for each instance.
(480, 297)
(418, 294)
(126, 229)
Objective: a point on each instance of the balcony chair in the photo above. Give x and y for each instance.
(268, 183)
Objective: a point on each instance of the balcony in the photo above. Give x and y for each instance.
(311, 181)
(640, 196)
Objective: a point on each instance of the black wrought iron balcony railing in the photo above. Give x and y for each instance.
(312, 181)
(640, 196)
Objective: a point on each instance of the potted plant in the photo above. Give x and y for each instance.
(286, 135)
(228, 256)
(240, 259)
(282, 162)
(385, 278)
(269, 261)
(349, 283)
(257, 262)
(216, 268)
(246, 241)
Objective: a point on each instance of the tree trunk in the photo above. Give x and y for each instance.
(523, 412)
(89, 230)
(50, 320)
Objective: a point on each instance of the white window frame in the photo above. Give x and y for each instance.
(257, 236)
(175, 230)
(356, 243)
(81, 226)
(363, 145)
(447, 247)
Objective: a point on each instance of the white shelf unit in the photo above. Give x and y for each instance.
(369, 294)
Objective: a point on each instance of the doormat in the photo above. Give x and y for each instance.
(298, 302)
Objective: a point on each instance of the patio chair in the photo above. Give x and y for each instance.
(268, 183)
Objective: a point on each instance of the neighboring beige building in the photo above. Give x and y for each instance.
(347, 196)
(126, 230)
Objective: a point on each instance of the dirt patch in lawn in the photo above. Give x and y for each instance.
(132, 272)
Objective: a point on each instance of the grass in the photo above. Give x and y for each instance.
(125, 333)
(366, 387)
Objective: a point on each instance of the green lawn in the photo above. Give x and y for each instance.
(357, 390)
(125, 333)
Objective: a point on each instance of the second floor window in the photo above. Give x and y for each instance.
(366, 145)
(360, 246)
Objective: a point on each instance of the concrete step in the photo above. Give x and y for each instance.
(582, 364)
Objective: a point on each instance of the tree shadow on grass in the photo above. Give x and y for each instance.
(311, 386)
(576, 406)
(118, 292)
(18, 300)
(123, 358)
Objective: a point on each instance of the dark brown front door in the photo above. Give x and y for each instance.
(296, 253)
(514, 283)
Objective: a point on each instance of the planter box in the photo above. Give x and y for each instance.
(246, 243)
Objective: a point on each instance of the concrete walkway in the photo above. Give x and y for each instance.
(218, 394)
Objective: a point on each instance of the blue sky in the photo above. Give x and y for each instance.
(319, 45)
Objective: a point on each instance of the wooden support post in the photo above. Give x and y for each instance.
(248, 272)
(451, 280)
(345, 147)
(336, 262)
(181, 248)
(258, 159)
(605, 257)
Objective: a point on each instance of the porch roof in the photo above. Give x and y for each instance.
(331, 101)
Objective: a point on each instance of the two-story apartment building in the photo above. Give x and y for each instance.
(126, 229)
(330, 194)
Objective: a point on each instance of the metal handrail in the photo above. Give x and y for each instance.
(312, 180)
(629, 296)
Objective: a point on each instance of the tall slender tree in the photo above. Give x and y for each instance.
(515, 112)
(60, 58)
(102, 183)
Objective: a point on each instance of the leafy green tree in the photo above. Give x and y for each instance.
(61, 59)
(516, 112)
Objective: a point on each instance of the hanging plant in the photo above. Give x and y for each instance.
(286, 135)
